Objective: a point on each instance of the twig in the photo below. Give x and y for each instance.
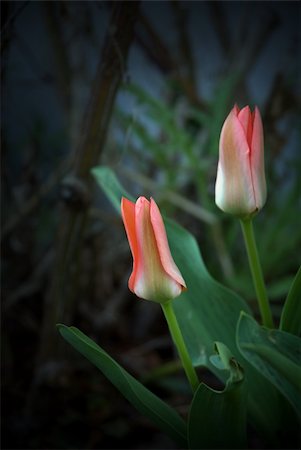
(174, 198)
(220, 25)
(63, 72)
(11, 19)
(159, 53)
(32, 60)
(103, 319)
(267, 26)
(155, 46)
(35, 200)
(34, 283)
(60, 298)
(184, 46)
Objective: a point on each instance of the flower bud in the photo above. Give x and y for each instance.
(240, 187)
(155, 275)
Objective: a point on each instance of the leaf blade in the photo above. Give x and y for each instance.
(275, 354)
(225, 410)
(290, 320)
(208, 312)
(144, 400)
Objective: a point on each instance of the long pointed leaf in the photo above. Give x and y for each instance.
(275, 354)
(144, 400)
(217, 419)
(291, 314)
(208, 312)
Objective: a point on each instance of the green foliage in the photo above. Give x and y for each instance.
(209, 316)
(275, 354)
(208, 312)
(183, 152)
(144, 400)
(217, 419)
(110, 184)
(206, 302)
(167, 141)
(291, 313)
(280, 226)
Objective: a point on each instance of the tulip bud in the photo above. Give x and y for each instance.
(240, 184)
(155, 275)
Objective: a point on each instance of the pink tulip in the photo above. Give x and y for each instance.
(155, 275)
(240, 184)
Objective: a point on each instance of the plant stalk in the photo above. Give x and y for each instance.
(180, 344)
(256, 270)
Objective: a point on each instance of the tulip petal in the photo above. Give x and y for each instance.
(148, 272)
(145, 235)
(152, 282)
(163, 246)
(234, 189)
(257, 161)
(245, 118)
(235, 110)
(149, 279)
(128, 216)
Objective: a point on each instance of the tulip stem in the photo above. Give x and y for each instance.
(255, 266)
(180, 344)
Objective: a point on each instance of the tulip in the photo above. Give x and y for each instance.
(155, 275)
(240, 184)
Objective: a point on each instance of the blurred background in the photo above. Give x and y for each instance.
(141, 87)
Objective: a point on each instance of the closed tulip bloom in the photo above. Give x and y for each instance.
(240, 184)
(155, 275)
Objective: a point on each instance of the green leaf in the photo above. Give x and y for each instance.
(144, 400)
(206, 302)
(217, 419)
(291, 314)
(275, 354)
(208, 312)
(110, 185)
(202, 309)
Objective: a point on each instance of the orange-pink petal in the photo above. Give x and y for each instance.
(234, 190)
(257, 161)
(162, 244)
(245, 118)
(240, 184)
(155, 276)
(128, 216)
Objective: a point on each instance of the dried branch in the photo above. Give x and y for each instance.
(63, 70)
(32, 285)
(178, 200)
(154, 46)
(220, 25)
(159, 53)
(59, 303)
(187, 60)
(33, 202)
(12, 17)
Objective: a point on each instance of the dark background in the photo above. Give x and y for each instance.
(148, 100)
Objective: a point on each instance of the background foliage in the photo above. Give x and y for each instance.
(65, 256)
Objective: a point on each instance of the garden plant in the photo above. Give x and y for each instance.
(212, 327)
(151, 225)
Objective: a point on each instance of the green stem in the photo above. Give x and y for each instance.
(255, 266)
(180, 344)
